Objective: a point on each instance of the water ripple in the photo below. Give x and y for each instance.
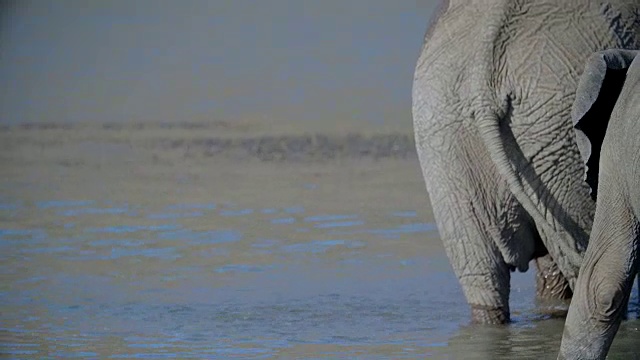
(95, 211)
(338, 224)
(132, 228)
(408, 214)
(242, 268)
(320, 246)
(203, 237)
(329, 218)
(8, 207)
(236, 212)
(188, 206)
(294, 210)
(168, 216)
(158, 285)
(288, 220)
(63, 203)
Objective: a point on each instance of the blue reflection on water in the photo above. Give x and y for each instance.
(34, 233)
(329, 217)
(288, 220)
(236, 212)
(405, 214)
(63, 203)
(116, 242)
(400, 229)
(49, 250)
(320, 246)
(132, 228)
(265, 243)
(338, 224)
(146, 241)
(9, 351)
(168, 216)
(8, 207)
(243, 268)
(162, 253)
(79, 354)
(294, 210)
(188, 206)
(95, 211)
(146, 356)
(203, 237)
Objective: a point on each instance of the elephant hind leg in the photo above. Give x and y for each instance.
(474, 256)
(550, 283)
(552, 288)
(483, 275)
(477, 218)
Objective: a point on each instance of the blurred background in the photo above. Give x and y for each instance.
(223, 60)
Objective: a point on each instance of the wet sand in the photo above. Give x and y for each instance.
(115, 161)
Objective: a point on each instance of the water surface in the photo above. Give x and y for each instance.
(165, 256)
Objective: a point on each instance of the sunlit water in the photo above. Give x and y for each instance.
(92, 277)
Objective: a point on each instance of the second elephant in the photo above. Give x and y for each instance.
(607, 117)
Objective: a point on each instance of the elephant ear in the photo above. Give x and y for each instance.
(597, 93)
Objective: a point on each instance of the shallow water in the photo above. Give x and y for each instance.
(279, 262)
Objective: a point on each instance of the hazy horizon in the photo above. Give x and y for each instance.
(78, 61)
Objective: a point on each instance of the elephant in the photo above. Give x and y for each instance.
(606, 116)
(492, 94)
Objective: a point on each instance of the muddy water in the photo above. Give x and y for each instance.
(110, 249)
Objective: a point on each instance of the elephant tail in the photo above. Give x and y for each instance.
(492, 121)
(558, 242)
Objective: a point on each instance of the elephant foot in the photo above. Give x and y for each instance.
(482, 314)
(550, 283)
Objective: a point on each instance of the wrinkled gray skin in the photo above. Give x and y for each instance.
(492, 97)
(607, 117)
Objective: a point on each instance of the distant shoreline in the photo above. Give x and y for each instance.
(235, 141)
(286, 126)
(300, 147)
